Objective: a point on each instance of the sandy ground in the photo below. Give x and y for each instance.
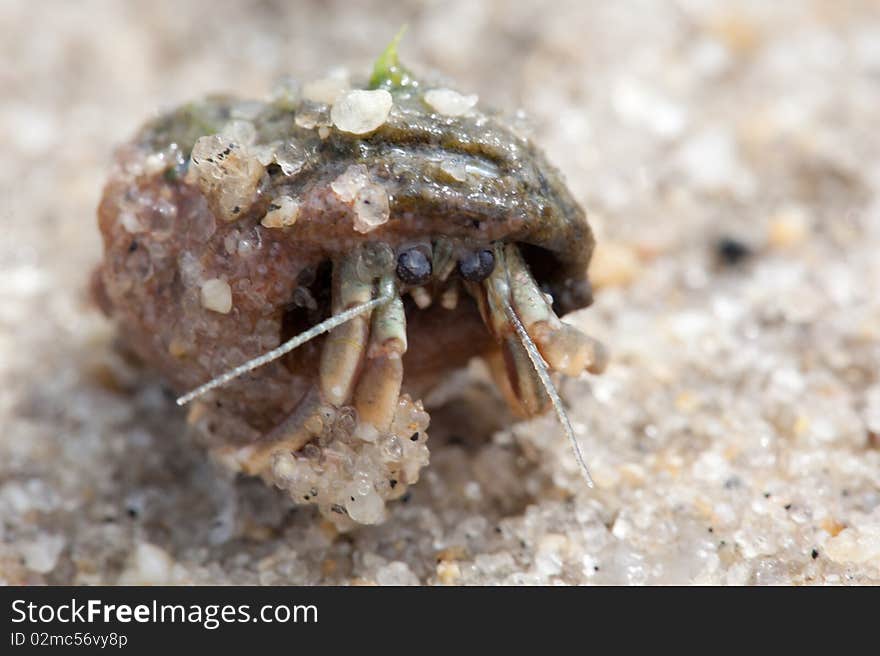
(727, 155)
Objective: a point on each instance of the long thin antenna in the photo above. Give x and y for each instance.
(541, 369)
(287, 347)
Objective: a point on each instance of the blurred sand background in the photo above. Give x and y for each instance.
(727, 154)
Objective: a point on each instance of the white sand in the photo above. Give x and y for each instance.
(734, 439)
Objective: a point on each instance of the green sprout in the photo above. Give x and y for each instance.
(387, 71)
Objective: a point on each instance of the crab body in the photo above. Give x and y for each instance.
(231, 226)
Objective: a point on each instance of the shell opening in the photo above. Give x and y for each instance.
(288, 346)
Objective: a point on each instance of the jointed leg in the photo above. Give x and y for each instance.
(378, 389)
(566, 349)
(345, 346)
(529, 333)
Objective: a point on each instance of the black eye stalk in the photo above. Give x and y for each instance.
(414, 267)
(476, 266)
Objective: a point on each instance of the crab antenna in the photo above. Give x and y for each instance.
(318, 329)
(541, 369)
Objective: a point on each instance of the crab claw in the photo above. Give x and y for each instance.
(519, 315)
(345, 346)
(291, 435)
(523, 379)
(378, 389)
(568, 350)
(565, 348)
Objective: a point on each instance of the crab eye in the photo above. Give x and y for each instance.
(414, 267)
(477, 265)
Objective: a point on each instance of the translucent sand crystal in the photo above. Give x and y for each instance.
(350, 478)
(327, 89)
(227, 172)
(283, 212)
(361, 111)
(369, 200)
(449, 102)
(216, 295)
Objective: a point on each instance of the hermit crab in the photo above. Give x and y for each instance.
(303, 269)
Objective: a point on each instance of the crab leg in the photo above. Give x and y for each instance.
(508, 364)
(521, 376)
(449, 296)
(566, 349)
(535, 389)
(344, 348)
(499, 372)
(291, 435)
(526, 383)
(378, 388)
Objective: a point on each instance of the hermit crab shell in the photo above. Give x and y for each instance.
(229, 226)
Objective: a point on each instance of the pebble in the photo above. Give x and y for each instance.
(396, 573)
(216, 295)
(361, 111)
(347, 185)
(371, 208)
(148, 564)
(370, 200)
(789, 227)
(328, 89)
(227, 171)
(448, 572)
(41, 554)
(449, 102)
(283, 213)
(856, 545)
